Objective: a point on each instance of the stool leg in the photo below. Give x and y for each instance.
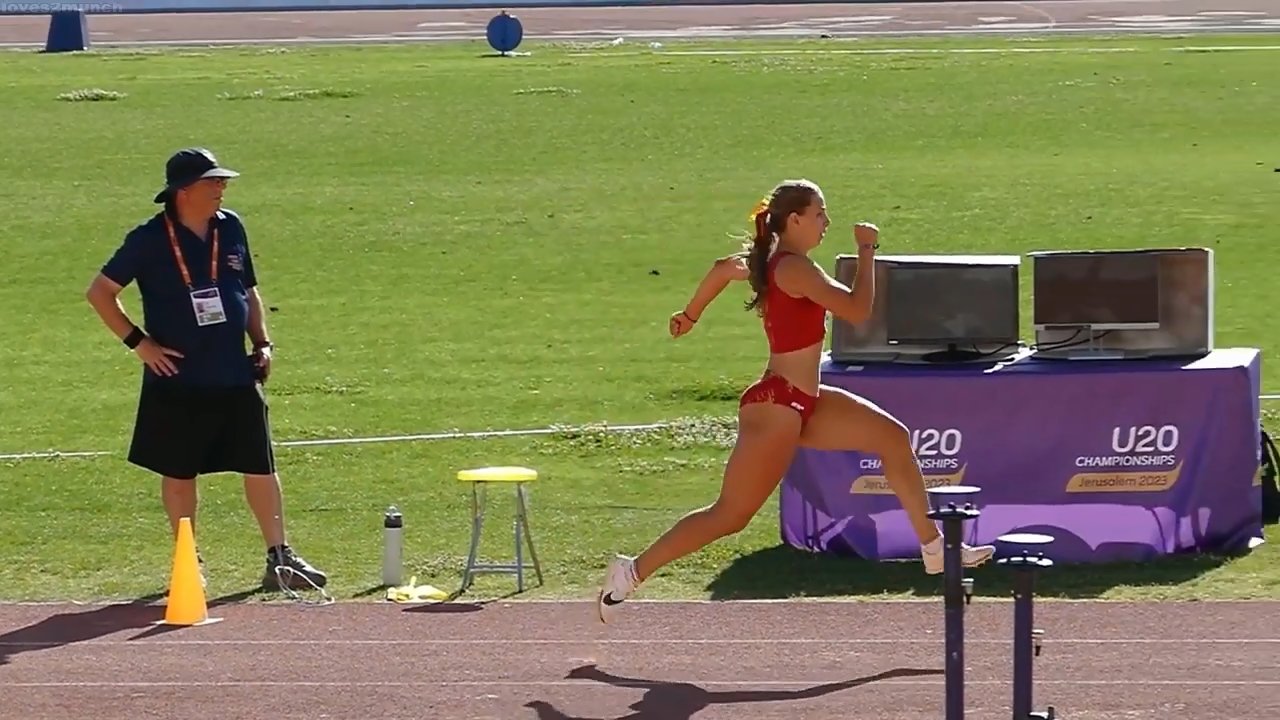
(477, 524)
(517, 525)
(524, 520)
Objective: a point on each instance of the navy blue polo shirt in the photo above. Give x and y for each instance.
(214, 355)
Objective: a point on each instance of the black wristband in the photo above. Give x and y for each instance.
(134, 337)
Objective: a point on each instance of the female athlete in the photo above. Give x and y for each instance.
(788, 407)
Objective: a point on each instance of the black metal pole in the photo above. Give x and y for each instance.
(1023, 625)
(1026, 644)
(952, 534)
(953, 517)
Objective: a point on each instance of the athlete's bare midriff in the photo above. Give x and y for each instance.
(799, 367)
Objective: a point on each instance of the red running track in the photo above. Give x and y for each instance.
(861, 19)
(666, 661)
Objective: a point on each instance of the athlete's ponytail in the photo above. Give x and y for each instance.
(769, 219)
(758, 258)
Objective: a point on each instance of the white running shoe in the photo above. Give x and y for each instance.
(619, 583)
(969, 556)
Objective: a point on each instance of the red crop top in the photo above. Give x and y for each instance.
(791, 323)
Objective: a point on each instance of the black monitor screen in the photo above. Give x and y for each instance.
(1097, 289)
(960, 304)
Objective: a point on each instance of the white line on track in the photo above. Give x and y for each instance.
(1257, 605)
(673, 641)
(690, 34)
(628, 684)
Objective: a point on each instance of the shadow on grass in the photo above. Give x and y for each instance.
(786, 572)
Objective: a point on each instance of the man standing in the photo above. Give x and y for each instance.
(202, 408)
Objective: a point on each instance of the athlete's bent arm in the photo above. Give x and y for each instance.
(801, 276)
(723, 271)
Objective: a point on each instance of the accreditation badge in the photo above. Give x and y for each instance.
(208, 306)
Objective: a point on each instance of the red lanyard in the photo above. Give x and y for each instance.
(182, 263)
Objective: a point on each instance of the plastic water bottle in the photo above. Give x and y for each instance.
(392, 547)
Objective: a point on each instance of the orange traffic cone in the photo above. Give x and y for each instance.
(186, 593)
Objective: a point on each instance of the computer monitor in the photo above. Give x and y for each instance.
(1114, 318)
(941, 304)
(1102, 290)
(964, 306)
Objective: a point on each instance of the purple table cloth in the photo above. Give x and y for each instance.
(1118, 460)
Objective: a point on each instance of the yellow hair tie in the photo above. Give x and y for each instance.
(759, 208)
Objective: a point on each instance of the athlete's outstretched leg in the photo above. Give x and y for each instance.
(767, 436)
(844, 421)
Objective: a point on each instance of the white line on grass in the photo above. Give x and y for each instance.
(54, 454)
(475, 435)
(916, 51)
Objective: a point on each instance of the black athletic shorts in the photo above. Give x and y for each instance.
(181, 431)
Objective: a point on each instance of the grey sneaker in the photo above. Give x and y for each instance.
(285, 568)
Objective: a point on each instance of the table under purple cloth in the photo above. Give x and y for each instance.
(1118, 460)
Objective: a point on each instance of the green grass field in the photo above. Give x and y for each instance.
(459, 242)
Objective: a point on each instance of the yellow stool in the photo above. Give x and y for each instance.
(480, 479)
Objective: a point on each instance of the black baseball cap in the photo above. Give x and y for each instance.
(188, 166)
